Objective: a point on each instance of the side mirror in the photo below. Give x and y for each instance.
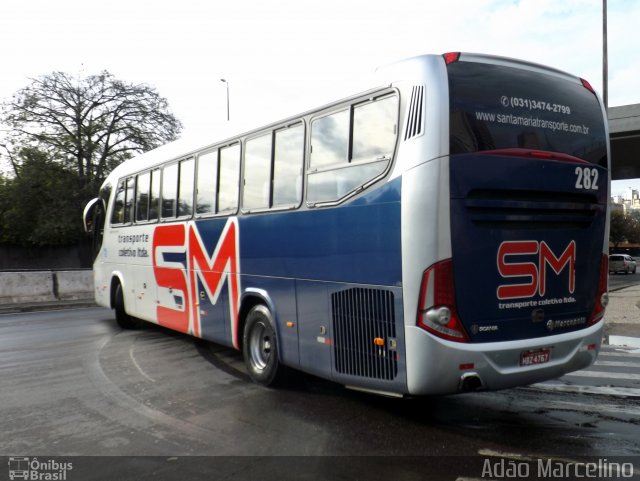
(89, 216)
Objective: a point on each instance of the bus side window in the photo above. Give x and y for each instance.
(129, 200)
(142, 196)
(346, 154)
(154, 194)
(330, 140)
(185, 190)
(229, 179)
(117, 213)
(257, 173)
(288, 165)
(169, 190)
(206, 183)
(374, 129)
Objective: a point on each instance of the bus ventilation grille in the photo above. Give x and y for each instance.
(416, 107)
(365, 333)
(532, 210)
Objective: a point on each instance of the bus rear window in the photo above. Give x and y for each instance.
(495, 107)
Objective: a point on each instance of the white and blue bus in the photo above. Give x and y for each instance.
(445, 231)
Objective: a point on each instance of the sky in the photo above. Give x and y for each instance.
(281, 57)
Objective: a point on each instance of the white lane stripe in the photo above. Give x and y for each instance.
(618, 364)
(137, 366)
(604, 390)
(605, 375)
(620, 351)
(618, 357)
(625, 341)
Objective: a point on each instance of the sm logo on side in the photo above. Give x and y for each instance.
(533, 260)
(181, 262)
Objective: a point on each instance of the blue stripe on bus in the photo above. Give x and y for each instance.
(343, 243)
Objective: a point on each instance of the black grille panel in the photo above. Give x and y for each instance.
(361, 316)
(534, 210)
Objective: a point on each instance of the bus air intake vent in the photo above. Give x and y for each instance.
(365, 333)
(415, 121)
(532, 210)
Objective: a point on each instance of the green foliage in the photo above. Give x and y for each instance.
(66, 134)
(43, 204)
(624, 228)
(89, 125)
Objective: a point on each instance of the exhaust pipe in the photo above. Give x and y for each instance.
(469, 382)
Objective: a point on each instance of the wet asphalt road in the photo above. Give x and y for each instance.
(73, 384)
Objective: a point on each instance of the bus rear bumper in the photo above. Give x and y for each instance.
(437, 366)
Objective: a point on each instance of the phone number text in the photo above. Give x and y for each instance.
(532, 104)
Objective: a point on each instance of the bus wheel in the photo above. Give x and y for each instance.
(123, 319)
(260, 347)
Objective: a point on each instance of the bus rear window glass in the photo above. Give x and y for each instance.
(497, 107)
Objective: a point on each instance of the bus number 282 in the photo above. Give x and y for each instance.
(586, 178)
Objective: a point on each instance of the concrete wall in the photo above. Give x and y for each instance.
(45, 286)
(45, 258)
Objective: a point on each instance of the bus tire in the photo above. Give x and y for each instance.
(123, 319)
(260, 347)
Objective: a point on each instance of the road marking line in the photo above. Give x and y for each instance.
(604, 390)
(617, 364)
(626, 341)
(135, 363)
(606, 375)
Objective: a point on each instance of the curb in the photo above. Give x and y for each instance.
(47, 306)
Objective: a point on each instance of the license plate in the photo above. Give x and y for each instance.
(531, 358)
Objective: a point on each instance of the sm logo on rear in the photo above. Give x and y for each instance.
(529, 264)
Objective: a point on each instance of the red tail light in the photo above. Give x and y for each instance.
(436, 306)
(451, 57)
(587, 85)
(602, 298)
(536, 154)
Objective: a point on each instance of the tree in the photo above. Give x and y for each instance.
(66, 134)
(624, 228)
(89, 125)
(41, 205)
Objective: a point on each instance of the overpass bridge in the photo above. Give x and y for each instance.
(624, 132)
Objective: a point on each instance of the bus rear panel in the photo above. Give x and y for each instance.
(522, 296)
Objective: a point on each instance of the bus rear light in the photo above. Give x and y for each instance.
(436, 306)
(602, 297)
(587, 85)
(535, 154)
(541, 154)
(451, 57)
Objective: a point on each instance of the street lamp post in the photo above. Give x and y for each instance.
(605, 57)
(227, 84)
